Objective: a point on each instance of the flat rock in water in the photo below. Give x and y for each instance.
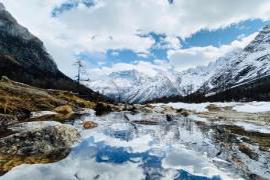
(89, 125)
(31, 126)
(146, 122)
(46, 139)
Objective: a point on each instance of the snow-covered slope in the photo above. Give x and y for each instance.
(253, 62)
(237, 67)
(134, 86)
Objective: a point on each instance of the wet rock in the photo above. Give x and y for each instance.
(145, 122)
(169, 110)
(248, 151)
(117, 108)
(147, 110)
(169, 117)
(213, 107)
(44, 140)
(32, 126)
(102, 108)
(21, 114)
(183, 112)
(57, 117)
(236, 160)
(261, 148)
(7, 120)
(255, 177)
(66, 109)
(7, 162)
(89, 124)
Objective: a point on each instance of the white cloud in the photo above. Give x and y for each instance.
(114, 24)
(188, 58)
(148, 68)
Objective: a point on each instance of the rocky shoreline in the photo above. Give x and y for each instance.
(34, 127)
(32, 124)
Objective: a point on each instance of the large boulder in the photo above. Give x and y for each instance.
(102, 108)
(39, 138)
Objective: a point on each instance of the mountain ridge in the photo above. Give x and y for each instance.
(236, 67)
(23, 58)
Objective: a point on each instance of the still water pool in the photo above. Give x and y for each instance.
(121, 150)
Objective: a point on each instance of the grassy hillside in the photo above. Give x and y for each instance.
(16, 98)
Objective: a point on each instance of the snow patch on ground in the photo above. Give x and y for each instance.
(253, 107)
(193, 107)
(249, 107)
(254, 127)
(42, 113)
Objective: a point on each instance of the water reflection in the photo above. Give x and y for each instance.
(118, 150)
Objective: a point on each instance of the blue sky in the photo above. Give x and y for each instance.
(105, 33)
(202, 38)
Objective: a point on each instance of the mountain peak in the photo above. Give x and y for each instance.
(261, 41)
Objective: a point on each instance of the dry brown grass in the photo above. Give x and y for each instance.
(16, 96)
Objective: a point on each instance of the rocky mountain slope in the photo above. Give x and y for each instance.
(134, 86)
(23, 58)
(251, 63)
(236, 68)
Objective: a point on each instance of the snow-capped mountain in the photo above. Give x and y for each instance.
(253, 62)
(135, 86)
(237, 67)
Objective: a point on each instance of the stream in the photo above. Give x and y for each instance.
(181, 149)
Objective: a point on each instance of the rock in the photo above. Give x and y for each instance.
(147, 110)
(213, 107)
(7, 120)
(102, 108)
(5, 79)
(183, 112)
(169, 117)
(169, 110)
(46, 140)
(89, 124)
(262, 148)
(66, 109)
(255, 177)
(31, 126)
(248, 151)
(145, 122)
(23, 114)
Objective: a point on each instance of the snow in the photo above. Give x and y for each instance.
(249, 107)
(253, 107)
(42, 113)
(254, 127)
(193, 107)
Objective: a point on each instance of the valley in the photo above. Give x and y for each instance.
(111, 118)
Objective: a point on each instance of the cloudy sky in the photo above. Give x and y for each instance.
(123, 34)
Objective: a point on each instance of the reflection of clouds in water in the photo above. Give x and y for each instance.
(117, 150)
(71, 169)
(193, 163)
